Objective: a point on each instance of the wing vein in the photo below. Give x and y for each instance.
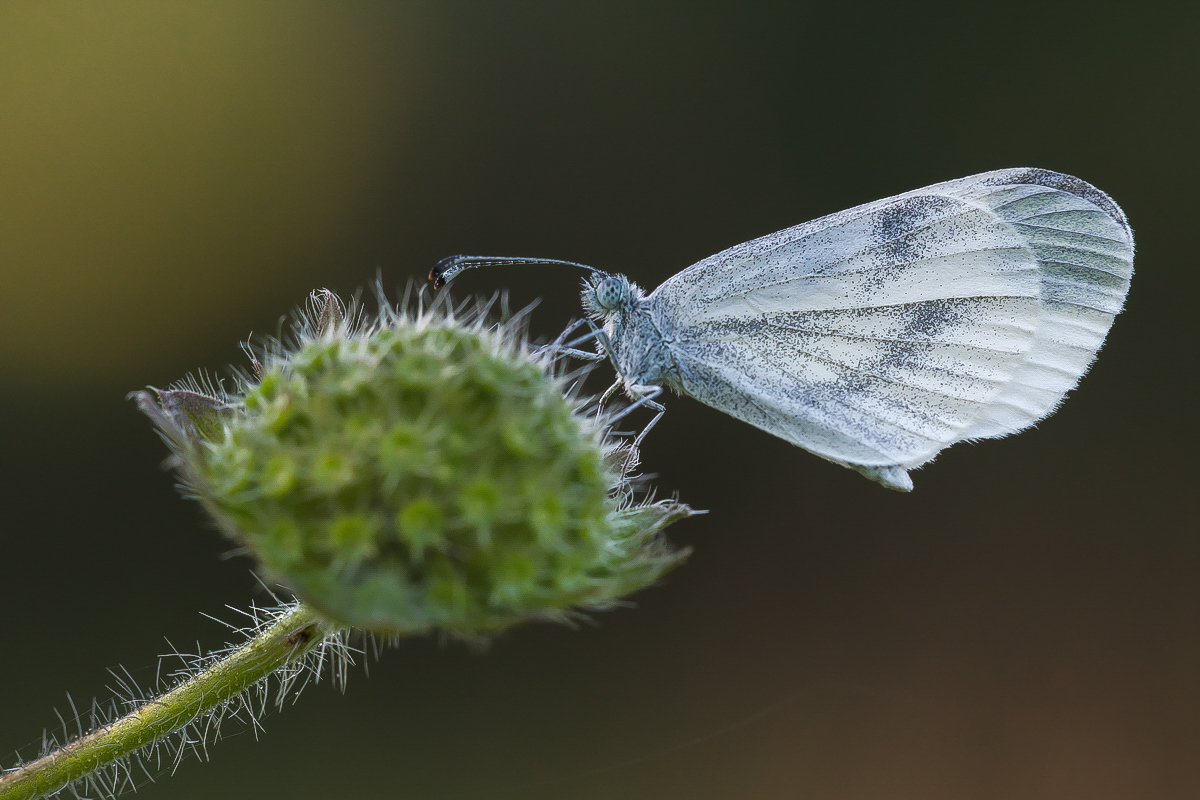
(1026, 223)
(1023, 198)
(1092, 267)
(864, 337)
(750, 302)
(967, 208)
(869, 374)
(866, 270)
(828, 397)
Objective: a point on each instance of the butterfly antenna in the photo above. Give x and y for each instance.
(447, 268)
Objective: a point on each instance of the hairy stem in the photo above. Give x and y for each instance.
(287, 640)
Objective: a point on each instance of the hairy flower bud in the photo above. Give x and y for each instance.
(417, 471)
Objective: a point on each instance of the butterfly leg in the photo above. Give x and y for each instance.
(561, 346)
(646, 398)
(586, 337)
(648, 393)
(660, 409)
(583, 355)
(604, 398)
(605, 345)
(570, 329)
(610, 391)
(635, 448)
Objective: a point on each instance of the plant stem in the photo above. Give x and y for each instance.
(287, 640)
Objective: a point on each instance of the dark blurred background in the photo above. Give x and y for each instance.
(175, 176)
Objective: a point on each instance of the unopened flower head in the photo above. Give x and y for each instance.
(418, 470)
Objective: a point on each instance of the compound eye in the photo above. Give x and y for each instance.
(610, 293)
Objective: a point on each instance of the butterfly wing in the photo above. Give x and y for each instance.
(878, 336)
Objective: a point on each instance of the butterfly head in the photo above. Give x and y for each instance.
(607, 295)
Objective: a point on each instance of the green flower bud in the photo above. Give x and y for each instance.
(418, 471)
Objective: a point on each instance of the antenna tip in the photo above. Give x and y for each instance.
(438, 273)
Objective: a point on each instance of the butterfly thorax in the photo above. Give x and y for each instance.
(639, 351)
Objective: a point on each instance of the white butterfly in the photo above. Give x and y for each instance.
(878, 336)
